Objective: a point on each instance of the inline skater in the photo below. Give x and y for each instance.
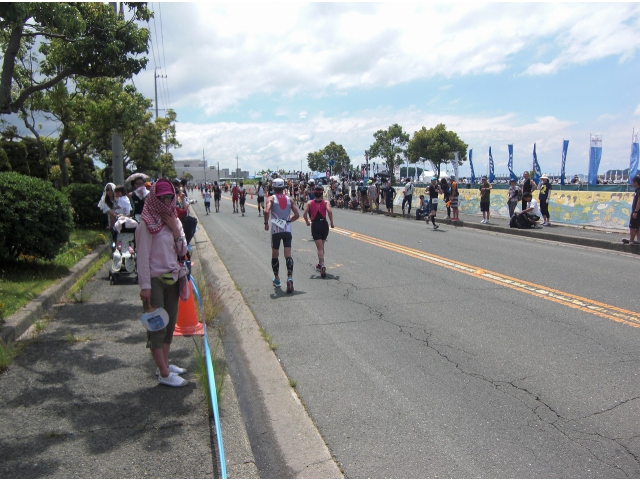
(319, 209)
(242, 196)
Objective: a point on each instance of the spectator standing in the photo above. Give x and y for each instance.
(389, 196)
(434, 190)
(454, 199)
(160, 241)
(513, 197)
(363, 192)
(485, 199)
(528, 186)
(543, 198)
(372, 193)
(408, 195)
(634, 220)
(444, 186)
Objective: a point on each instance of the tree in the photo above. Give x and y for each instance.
(389, 145)
(320, 161)
(438, 145)
(86, 39)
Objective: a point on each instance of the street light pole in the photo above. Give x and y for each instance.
(204, 166)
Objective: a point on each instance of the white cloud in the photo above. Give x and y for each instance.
(637, 110)
(221, 54)
(302, 115)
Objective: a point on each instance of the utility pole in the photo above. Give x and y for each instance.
(204, 162)
(236, 168)
(155, 83)
(117, 164)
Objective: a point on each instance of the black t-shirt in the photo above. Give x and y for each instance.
(526, 186)
(433, 192)
(363, 190)
(545, 189)
(635, 200)
(138, 204)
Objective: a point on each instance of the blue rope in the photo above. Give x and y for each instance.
(212, 382)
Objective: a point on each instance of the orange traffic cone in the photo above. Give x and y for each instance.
(188, 318)
(251, 192)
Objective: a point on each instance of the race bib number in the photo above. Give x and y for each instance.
(279, 222)
(434, 200)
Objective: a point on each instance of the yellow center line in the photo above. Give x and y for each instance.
(583, 304)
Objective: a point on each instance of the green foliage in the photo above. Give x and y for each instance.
(436, 144)
(389, 144)
(83, 199)
(5, 165)
(17, 155)
(319, 161)
(35, 218)
(72, 38)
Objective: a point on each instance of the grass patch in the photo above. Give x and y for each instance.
(219, 369)
(267, 338)
(71, 338)
(24, 279)
(211, 301)
(40, 325)
(75, 292)
(8, 352)
(293, 383)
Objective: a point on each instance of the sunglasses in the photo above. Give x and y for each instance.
(165, 197)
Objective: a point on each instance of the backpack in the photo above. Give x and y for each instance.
(513, 222)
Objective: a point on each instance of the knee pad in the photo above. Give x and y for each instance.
(275, 266)
(289, 266)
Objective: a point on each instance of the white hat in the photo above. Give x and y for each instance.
(545, 177)
(278, 183)
(312, 181)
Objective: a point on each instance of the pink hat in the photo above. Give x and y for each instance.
(164, 187)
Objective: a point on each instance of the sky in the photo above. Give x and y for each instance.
(272, 82)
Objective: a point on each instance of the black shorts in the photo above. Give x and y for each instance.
(242, 200)
(216, 197)
(433, 207)
(634, 223)
(285, 237)
(319, 230)
(260, 199)
(484, 206)
(389, 204)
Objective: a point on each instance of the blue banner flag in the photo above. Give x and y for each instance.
(473, 175)
(565, 147)
(633, 163)
(595, 154)
(512, 176)
(492, 176)
(537, 173)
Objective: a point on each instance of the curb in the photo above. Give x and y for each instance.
(291, 433)
(18, 323)
(537, 233)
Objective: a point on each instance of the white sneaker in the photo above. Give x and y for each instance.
(174, 369)
(172, 380)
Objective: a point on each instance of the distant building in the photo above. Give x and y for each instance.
(197, 169)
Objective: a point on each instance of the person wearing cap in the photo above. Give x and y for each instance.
(372, 194)
(485, 199)
(408, 195)
(434, 190)
(159, 242)
(235, 191)
(543, 198)
(277, 220)
(318, 210)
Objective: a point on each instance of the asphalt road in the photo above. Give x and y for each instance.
(451, 353)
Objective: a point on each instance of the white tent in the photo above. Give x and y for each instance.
(426, 175)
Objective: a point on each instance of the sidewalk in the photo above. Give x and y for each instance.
(82, 400)
(586, 236)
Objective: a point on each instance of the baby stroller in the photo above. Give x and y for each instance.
(124, 253)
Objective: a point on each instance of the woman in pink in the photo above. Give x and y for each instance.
(319, 209)
(160, 241)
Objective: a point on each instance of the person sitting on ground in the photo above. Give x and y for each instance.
(531, 214)
(423, 209)
(353, 203)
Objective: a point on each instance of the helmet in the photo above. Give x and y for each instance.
(361, 183)
(311, 181)
(278, 183)
(233, 184)
(433, 178)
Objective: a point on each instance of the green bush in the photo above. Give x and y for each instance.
(84, 199)
(35, 218)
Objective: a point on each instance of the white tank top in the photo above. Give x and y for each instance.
(280, 213)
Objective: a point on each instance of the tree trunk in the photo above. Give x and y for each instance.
(8, 67)
(64, 171)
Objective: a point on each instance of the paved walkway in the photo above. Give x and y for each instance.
(82, 400)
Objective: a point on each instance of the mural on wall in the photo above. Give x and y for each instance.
(609, 210)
